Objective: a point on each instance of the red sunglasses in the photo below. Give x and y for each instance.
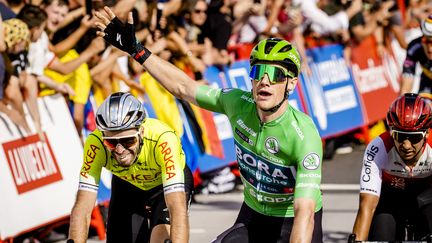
(125, 141)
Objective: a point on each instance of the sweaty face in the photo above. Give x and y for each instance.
(56, 15)
(409, 144)
(123, 145)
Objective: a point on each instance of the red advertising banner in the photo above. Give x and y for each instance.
(377, 79)
(32, 163)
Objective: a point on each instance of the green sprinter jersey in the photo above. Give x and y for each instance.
(279, 160)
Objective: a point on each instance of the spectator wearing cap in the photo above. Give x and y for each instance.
(17, 39)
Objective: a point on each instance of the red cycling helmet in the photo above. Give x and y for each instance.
(410, 112)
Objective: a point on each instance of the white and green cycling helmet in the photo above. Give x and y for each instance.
(120, 111)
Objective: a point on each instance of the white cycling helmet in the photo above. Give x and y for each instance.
(426, 26)
(120, 111)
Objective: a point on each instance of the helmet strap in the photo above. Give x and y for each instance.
(276, 107)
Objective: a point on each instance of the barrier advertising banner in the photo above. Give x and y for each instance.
(377, 79)
(330, 92)
(39, 178)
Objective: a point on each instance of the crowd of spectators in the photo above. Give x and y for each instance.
(51, 46)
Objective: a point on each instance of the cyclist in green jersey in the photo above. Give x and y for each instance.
(151, 184)
(278, 148)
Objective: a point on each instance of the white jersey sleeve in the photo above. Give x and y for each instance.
(371, 173)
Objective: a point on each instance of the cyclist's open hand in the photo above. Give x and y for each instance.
(120, 35)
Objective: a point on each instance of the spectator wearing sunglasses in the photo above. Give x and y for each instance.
(395, 181)
(151, 184)
(278, 148)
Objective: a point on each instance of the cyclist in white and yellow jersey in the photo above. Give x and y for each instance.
(150, 176)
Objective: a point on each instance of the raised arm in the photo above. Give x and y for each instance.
(122, 36)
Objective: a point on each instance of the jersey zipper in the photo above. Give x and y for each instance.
(259, 149)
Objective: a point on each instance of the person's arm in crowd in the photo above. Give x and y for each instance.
(362, 31)
(15, 116)
(399, 34)
(63, 88)
(274, 12)
(171, 7)
(368, 204)
(81, 216)
(72, 15)
(196, 63)
(106, 63)
(96, 46)
(123, 7)
(299, 41)
(330, 23)
(303, 221)
(132, 84)
(69, 43)
(172, 78)
(406, 84)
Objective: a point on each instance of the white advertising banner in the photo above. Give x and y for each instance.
(39, 179)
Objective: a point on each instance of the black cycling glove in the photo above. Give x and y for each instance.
(123, 37)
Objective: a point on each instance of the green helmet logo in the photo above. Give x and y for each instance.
(275, 50)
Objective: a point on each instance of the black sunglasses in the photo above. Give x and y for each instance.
(413, 137)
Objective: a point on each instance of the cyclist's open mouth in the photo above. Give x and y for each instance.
(264, 93)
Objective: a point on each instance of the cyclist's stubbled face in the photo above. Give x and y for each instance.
(125, 155)
(409, 151)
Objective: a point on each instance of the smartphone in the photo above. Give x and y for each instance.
(88, 5)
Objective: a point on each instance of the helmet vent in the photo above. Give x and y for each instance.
(127, 117)
(269, 46)
(101, 120)
(286, 48)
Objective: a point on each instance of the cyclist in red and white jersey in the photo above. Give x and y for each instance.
(396, 178)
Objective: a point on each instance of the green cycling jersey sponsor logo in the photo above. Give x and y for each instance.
(247, 98)
(269, 198)
(311, 161)
(318, 176)
(246, 128)
(243, 136)
(272, 145)
(272, 158)
(263, 174)
(297, 129)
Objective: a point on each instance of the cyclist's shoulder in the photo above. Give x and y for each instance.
(300, 119)
(94, 137)
(154, 128)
